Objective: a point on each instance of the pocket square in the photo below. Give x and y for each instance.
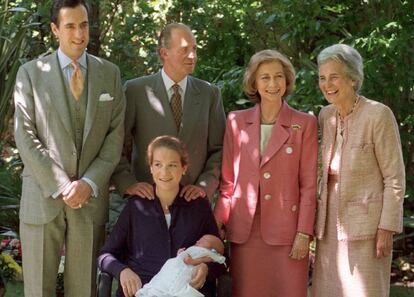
(105, 97)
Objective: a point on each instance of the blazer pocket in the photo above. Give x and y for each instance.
(104, 109)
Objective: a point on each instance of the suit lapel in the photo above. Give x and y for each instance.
(329, 133)
(95, 82)
(161, 96)
(55, 82)
(250, 138)
(279, 134)
(191, 109)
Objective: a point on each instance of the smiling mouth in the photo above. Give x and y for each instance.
(331, 92)
(165, 180)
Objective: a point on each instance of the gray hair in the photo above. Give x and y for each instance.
(347, 56)
(165, 36)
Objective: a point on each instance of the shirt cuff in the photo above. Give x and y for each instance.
(58, 192)
(94, 187)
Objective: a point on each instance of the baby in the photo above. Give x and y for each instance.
(174, 277)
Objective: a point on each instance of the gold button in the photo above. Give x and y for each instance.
(267, 175)
(268, 197)
(294, 208)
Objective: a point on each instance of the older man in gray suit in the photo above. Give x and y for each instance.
(173, 102)
(69, 131)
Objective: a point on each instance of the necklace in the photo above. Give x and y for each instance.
(341, 126)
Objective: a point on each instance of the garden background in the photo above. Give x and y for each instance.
(228, 32)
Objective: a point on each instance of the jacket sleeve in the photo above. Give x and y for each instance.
(209, 178)
(223, 204)
(308, 165)
(390, 160)
(110, 256)
(100, 170)
(122, 176)
(50, 177)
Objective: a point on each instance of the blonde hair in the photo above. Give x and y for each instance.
(266, 56)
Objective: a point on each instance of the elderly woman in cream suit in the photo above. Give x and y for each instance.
(267, 196)
(362, 186)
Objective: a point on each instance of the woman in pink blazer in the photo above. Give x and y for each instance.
(268, 186)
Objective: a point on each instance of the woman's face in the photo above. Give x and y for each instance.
(271, 82)
(334, 83)
(166, 168)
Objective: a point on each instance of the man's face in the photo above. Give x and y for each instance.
(72, 31)
(180, 58)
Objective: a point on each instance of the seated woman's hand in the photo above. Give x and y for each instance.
(130, 282)
(199, 276)
(300, 248)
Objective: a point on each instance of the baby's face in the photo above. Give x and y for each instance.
(211, 242)
(204, 242)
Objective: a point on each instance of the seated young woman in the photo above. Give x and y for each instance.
(149, 232)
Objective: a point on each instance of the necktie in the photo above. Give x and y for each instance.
(176, 105)
(76, 81)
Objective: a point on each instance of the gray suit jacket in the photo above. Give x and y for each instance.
(149, 115)
(43, 134)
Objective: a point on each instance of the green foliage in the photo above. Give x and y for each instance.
(10, 192)
(12, 46)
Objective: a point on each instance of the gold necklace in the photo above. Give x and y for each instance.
(341, 126)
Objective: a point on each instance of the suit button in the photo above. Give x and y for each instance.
(268, 197)
(74, 154)
(294, 208)
(267, 175)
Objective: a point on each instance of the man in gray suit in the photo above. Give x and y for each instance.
(69, 131)
(197, 118)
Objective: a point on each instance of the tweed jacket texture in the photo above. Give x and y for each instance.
(371, 175)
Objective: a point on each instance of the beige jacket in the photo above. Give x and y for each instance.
(372, 176)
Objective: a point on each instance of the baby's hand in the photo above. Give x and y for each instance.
(180, 251)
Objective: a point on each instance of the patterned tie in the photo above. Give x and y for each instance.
(176, 105)
(76, 81)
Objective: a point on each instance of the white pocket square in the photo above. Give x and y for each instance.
(105, 97)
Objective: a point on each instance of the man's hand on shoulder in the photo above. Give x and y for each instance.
(143, 190)
(191, 192)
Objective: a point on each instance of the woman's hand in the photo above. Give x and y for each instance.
(300, 248)
(222, 230)
(130, 282)
(199, 276)
(383, 243)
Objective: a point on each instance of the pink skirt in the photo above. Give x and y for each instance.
(262, 270)
(347, 268)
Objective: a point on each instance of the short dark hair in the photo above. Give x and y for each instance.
(165, 35)
(169, 142)
(59, 4)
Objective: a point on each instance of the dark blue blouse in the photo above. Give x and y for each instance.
(142, 241)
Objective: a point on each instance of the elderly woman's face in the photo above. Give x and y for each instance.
(334, 83)
(271, 81)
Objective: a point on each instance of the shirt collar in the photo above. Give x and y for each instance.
(64, 60)
(168, 82)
